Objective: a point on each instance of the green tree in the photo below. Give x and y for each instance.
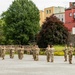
(53, 31)
(22, 22)
(2, 37)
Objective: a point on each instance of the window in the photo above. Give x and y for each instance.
(62, 19)
(47, 11)
(74, 13)
(62, 15)
(73, 3)
(70, 14)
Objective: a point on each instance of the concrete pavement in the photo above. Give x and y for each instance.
(27, 66)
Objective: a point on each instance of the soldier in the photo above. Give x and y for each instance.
(3, 52)
(50, 53)
(34, 52)
(70, 53)
(12, 52)
(65, 52)
(37, 50)
(20, 52)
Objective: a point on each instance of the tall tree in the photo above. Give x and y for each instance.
(22, 22)
(53, 31)
(2, 37)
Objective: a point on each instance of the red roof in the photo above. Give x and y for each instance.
(69, 26)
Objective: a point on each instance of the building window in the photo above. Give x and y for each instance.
(47, 11)
(62, 15)
(70, 14)
(74, 13)
(73, 3)
(62, 19)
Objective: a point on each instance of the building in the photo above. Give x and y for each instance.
(49, 11)
(41, 17)
(70, 16)
(60, 16)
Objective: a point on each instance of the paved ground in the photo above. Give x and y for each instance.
(27, 66)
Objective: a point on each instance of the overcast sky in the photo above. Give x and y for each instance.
(41, 4)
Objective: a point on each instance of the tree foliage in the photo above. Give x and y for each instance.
(2, 37)
(22, 22)
(53, 31)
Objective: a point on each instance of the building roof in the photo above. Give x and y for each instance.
(70, 8)
(70, 26)
(54, 7)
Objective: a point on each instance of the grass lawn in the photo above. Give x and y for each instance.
(59, 47)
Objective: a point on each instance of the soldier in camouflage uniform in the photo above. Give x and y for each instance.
(20, 52)
(37, 50)
(50, 53)
(65, 52)
(3, 50)
(12, 52)
(33, 52)
(70, 53)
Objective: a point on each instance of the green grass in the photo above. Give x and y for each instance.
(59, 47)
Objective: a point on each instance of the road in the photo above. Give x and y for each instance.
(27, 66)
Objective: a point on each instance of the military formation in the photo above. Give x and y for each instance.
(68, 52)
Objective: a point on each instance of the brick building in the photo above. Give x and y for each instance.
(70, 16)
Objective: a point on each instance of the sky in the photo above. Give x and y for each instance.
(41, 4)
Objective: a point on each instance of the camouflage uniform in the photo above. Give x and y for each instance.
(37, 54)
(34, 53)
(70, 53)
(50, 54)
(65, 52)
(12, 52)
(20, 52)
(3, 52)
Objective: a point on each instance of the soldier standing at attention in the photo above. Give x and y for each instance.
(3, 50)
(12, 52)
(70, 53)
(52, 53)
(34, 52)
(37, 50)
(65, 52)
(48, 53)
(20, 52)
